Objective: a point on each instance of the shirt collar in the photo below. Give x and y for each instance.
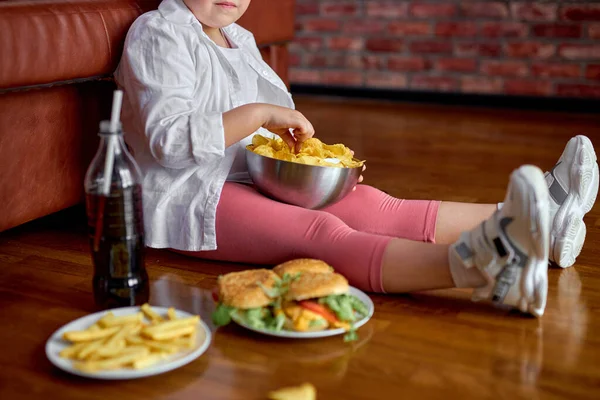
(177, 12)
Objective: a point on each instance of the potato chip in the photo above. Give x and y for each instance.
(313, 147)
(279, 145)
(312, 152)
(284, 155)
(309, 160)
(337, 150)
(259, 140)
(265, 150)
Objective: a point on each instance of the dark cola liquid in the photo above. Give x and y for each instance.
(120, 277)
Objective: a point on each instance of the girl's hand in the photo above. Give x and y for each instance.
(280, 120)
(360, 178)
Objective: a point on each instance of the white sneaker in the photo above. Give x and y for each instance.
(573, 187)
(511, 247)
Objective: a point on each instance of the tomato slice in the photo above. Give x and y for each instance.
(319, 309)
(215, 294)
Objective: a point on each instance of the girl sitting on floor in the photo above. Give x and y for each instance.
(197, 90)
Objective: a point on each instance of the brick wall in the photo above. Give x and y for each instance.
(540, 48)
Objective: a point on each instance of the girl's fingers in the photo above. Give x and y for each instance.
(288, 138)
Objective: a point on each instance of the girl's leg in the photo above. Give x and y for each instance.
(505, 258)
(246, 234)
(454, 218)
(370, 210)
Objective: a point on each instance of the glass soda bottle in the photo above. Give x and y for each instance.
(116, 224)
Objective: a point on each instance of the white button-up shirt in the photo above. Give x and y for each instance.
(177, 84)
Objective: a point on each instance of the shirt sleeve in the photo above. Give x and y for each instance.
(159, 75)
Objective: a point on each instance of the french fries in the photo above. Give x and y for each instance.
(150, 314)
(135, 341)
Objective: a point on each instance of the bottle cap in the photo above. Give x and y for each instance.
(105, 128)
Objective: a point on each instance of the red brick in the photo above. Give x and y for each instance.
(386, 9)
(480, 84)
(530, 49)
(557, 30)
(592, 72)
(321, 25)
(467, 29)
(474, 49)
(364, 26)
(310, 43)
(555, 70)
(534, 11)
(300, 75)
(456, 64)
(409, 28)
(402, 63)
(385, 80)
(484, 9)
(384, 45)
(315, 60)
(348, 61)
(594, 31)
(578, 90)
(430, 10)
(343, 78)
(339, 8)
(504, 68)
(504, 29)
(356, 61)
(580, 51)
(345, 43)
(372, 62)
(435, 83)
(295, 59)
(527, 87)
(431, 47)
(589, 12)
(307, 7)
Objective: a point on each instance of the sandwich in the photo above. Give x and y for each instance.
(246, 297)
(303, 295)
(317, 298)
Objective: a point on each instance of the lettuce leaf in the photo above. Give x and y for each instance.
(222, 315)
(345, 306)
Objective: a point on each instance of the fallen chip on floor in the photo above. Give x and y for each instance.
(305, 391)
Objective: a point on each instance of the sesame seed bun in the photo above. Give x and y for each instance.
(312, 285)
(241, 289)
(302, 265)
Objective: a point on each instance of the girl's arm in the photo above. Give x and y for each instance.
(158, 74)
(243, 121)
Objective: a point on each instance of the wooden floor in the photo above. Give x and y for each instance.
(426, 345)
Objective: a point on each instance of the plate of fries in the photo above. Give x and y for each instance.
(128, 342)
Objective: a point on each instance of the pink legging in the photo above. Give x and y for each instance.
(350, 235)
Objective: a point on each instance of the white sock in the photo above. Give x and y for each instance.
(499, 206)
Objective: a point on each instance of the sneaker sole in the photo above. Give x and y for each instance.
(569, 230)
(534, 277)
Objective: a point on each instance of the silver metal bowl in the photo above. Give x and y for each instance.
(302, 185)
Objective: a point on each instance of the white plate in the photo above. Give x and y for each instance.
(319, 334)
(56, 344)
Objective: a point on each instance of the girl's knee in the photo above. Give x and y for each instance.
(326, 227)
(369, 192)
